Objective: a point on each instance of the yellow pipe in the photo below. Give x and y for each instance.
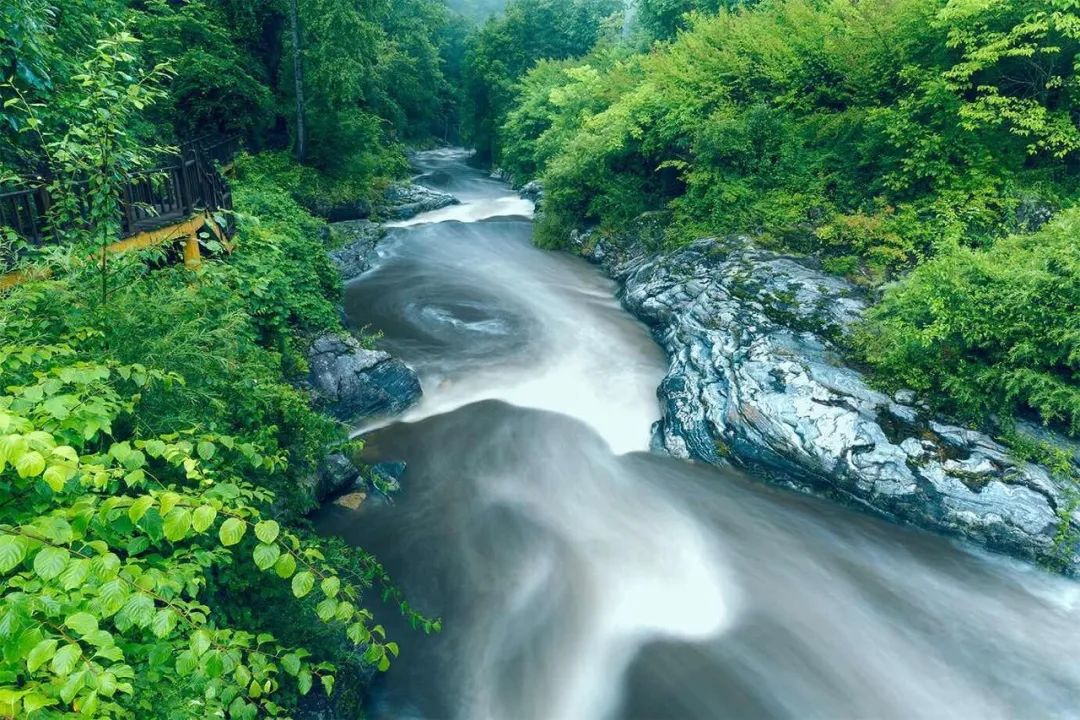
(188, 229)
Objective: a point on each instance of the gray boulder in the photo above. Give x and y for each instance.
(352, 383)
(356, 241)
(532, 191)
(407, 200)
(755, 378)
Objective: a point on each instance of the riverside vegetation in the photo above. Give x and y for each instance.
(927, 150)
(156, 446)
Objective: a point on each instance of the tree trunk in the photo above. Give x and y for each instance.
(298, 76)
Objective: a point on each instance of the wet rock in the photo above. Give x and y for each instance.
(336, 473)
(407, 200)
(532, 191)
(343, 211)
(755, 378)
(351, 501)
(356, 241)
(503, 175)
(385, 476)
(353, 383)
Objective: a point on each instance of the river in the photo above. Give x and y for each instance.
(580, 577)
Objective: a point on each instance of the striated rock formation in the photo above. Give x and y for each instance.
(755, 378)
(352, 383)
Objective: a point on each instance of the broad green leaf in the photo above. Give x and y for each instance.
(302, 583)
(291, 663)
(200, 642)
(285, 566)
(12, 552)
(31, 464)
(326, 609)
(328, 684)
(303, 682)
(40, 654)
(203, 518)
(63, 662)
(139, 508)
(177, 523)
(168, 501)
(330, 586)
(56, 476)
(164, 622)
(267, 531)
(83, 623)
(232, 531)
(206, 450)
(50, 562)
(266, 555)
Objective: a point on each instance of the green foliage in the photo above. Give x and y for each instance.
(874, 136)
(507, 46)
(994, 330)
(107, 542)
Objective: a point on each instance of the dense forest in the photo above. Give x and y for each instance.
(928, 150)
(157, 448)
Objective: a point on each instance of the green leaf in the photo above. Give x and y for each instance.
(232, 531)
(203, 518)
(83, 623)
(154, 448)
(40, 654)
(291, 663)
(139, 508)
(50, 562)
(200, 642)
(206, 450)
(168, 501)
(326, 609)
(164, 622)
(302, 583)
(177, 523)
(384, 663)
(12, 552)
(285, 566)
(64, 660)
(31, 464)
(330, 586)
(267, 531)
(303, 682)
(328, 684)
(266, 555)
(56, 476)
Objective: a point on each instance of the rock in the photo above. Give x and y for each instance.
(336, 473)
(407, 200)
(357, 240)
(353, 383)
(905, 397)
(385, 476)
(502, 175)
(352, 501)
(755, 378)
(532, 191)
(344, 211)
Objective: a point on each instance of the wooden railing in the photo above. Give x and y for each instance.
(188, 184)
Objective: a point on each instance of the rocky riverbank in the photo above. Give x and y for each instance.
(757, 378)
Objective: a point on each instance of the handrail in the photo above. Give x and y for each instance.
(189, 183)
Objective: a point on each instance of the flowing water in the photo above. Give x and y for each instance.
(580, 577)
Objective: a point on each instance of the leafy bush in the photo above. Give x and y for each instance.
(995, 330)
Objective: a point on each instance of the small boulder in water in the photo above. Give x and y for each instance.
(385, 476)
(407, 200)
(532, 191)
(353, 383)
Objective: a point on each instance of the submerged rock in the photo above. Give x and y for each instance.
(357, 240)
(755, 378)
(353, 383)
(407, 200)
